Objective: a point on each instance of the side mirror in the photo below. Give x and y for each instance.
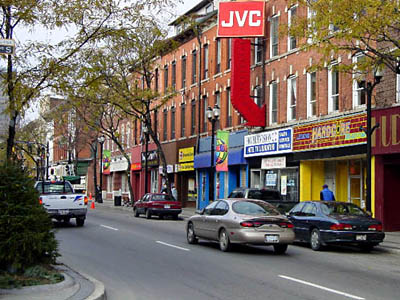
(200, 211)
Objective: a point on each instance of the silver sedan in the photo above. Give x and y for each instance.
(241, 221)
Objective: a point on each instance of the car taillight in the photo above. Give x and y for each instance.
(286, 225)
(341, 226)
(375, 227)
(85, 200)
(250, 224)
(156, 205)
(40, 200)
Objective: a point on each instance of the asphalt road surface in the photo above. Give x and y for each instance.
(137, 258)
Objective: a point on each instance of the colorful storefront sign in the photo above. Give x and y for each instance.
(268, 143)
(221, 163)
(186, 154)
(136, 166)
(106, 161)
(184, 167)
(332, 133)
(386, 138)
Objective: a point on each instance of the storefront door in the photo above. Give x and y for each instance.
(356, 183)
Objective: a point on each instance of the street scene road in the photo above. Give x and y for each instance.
(137, 258)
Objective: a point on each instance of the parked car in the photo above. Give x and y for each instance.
(329, 222)
(270, 195)
(157, 204)
(241, 221)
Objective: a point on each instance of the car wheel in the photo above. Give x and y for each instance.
(136, 212)
(80, 222)
(161, 217)
(190, 235)
(280, 248)
(315, 240)
(148, 214)
(175, 217)
(224, 242)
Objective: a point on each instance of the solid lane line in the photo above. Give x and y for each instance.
(321, 287)
(173, 246)
(108, 227)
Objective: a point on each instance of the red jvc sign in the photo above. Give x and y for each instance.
(241, 19)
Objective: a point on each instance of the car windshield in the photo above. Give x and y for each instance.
(265, 195)
(254, 208)
(334, 208)
(162, 197)
(53, 188)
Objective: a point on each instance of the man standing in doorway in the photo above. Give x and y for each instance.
(326, 194)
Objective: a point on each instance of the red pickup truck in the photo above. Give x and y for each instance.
(157, 204)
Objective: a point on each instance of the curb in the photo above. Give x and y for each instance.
(99, 292)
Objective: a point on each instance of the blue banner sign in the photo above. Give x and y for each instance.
(268, 143)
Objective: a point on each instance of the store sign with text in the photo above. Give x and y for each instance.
(268, 143)
(184, 167)
(136, 166)
(241, 19)
(332, 133)
(186, 154)
(386, 138)
(273, 163)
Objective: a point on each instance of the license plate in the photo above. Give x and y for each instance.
(167, 206)
(272, 238)
(63, 211)
(361, 237)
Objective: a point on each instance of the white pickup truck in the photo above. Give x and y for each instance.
(61, 202)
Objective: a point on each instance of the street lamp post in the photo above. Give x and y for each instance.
(146, 150)
(47, 160)
(369, 88)
(212, 116)
(101, 140)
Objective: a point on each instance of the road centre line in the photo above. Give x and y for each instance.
(108, 227)
(173, 246)
(321, 287)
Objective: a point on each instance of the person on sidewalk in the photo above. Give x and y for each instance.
(326, 194)
(174, 192)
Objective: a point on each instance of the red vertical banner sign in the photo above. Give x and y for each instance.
(240, 84)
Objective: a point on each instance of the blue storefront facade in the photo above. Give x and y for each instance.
(224, 182)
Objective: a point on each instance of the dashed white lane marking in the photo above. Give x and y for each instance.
(321, 287)
(108, 227)
(173, 246)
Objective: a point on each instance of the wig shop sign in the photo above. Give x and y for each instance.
(268, 143)
(241, 19)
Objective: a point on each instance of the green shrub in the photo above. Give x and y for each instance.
(26, 234)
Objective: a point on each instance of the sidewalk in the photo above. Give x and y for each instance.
(76, 286)
(390, 244)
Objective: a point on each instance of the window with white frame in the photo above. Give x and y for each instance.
(311, 14)
(292, 44)
(358, 84)
(291, 98)
(128, 135)
(311, 94)
(218, 56)
(273, 102)
(229, 54)
(258, 98)
(205, 65)
(258, 48)
(122, 135)
(398, 88)
(124, 183)
(274, 37)
(333, 88)
(109, 183)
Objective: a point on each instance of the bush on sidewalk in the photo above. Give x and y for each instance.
(26, 234)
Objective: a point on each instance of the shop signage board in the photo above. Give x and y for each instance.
(118, 164)
(183, 167)
(333, 133)
(136, 166)
(7, 46)
(186, 154)
(221, 163)
(241, 19)
(386, 138)
(273, 163)
(152, 158)
(268, 143)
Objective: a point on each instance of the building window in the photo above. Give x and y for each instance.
(258, 97)
(258, 49)
(274, 38)
(311, 94)
(165, 113)
(173, 79)
(157, 75)
(229, 108)
(273, 102)
(173, 123)
(183, 70)
(128, 134)
(291, 98)
(204, 113)
(194, 67)
(333, 89)
(358, 83)
(205, 65)
(182, 120)
(291, 39)
(218, 56)
(397, 87)
(229, 54)
(193, 118)
(217, 102)
(165, 78)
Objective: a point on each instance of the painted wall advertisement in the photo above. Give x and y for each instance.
(268, 143)
(332, 133)
(221, 163)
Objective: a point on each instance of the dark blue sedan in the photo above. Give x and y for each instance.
(321, 223)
